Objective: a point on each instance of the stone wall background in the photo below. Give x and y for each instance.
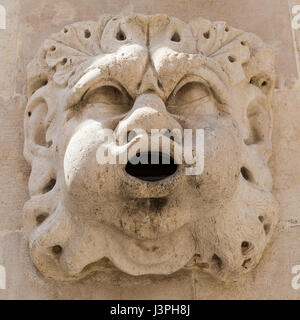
(28, 23)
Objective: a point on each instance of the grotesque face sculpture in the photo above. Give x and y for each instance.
(149, 72)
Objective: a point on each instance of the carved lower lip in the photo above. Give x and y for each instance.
(151, 166)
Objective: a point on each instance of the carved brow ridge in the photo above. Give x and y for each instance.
(207, 73)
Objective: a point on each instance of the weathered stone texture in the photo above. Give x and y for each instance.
(29, 22)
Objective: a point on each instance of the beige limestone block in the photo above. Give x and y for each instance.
(286, 153)
(14, 171)
(22, 279)
(295, 30)
(9, 48)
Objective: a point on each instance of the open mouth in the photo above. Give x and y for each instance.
(151, 166)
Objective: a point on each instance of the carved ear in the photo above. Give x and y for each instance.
(257, 115)
(257, 124)
(36, 127)
(259, 120)
(38, 147)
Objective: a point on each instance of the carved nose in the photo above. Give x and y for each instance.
(149, 112)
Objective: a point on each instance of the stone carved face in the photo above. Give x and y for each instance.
(148, 72)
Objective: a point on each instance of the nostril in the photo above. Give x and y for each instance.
(151, 166)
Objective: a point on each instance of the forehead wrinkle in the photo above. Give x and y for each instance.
(110, 68)
(169, 74)
(174, 66)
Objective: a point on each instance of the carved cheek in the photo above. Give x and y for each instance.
(222, 161)
(80, 163)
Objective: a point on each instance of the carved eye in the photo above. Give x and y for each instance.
(102, 102)
(191, 92)
(192, 98)
(108, 95)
